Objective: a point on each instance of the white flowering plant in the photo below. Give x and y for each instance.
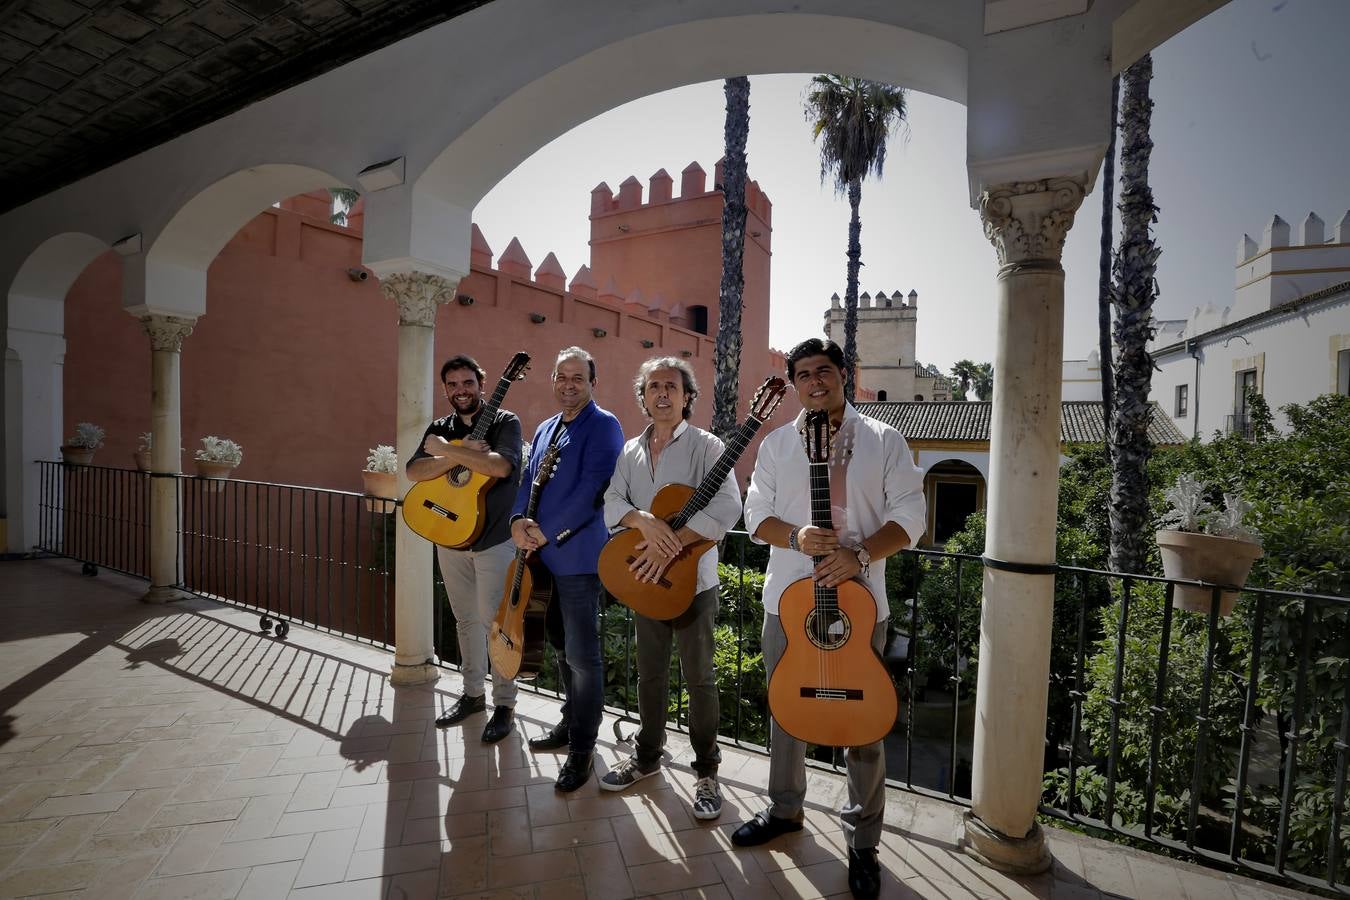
(220, 450)
(382, 458)
(1192, 511)
(87, 435)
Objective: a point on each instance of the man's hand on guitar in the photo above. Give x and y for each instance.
(527, 535)
(658, 535)
(436, 445)
(838, 567)
(650, 564)
(815, 541)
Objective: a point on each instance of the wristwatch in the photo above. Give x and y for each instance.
(792, 540)
(864, 558)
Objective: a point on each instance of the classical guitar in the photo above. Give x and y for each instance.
(516, 635)
(449, 510)
(830, 687)
(670, 596)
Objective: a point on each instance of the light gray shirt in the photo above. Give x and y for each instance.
(688, 457)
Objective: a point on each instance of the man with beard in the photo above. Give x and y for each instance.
(877, 509)
(568, 532)
(671, 451)
(475, 575)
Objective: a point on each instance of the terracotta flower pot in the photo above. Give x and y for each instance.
(78, 456)
(380, 485)
(215, 473)
(1205, 557)
(142, 458)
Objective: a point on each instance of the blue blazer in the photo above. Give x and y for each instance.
(571, 504)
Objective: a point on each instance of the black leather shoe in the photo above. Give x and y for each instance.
(553, 739)
(864, 872)
(575, 772)
(500, 725)
(762, 829)
(464, 707)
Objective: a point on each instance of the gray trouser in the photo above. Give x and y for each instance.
(862, 812)
(693, 632)
(474, 583)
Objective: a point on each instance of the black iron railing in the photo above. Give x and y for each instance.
(1222, 737)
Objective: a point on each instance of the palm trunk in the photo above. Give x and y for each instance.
(1133, 296)
(1104, 275)
(727, 355)
(851, 291)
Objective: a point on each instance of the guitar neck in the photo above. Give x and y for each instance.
(708, 488)
(490, 408)
(821, 517)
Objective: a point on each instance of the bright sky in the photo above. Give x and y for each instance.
(1250, 119)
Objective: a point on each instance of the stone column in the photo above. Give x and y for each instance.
(418, 295)
(166, 428)
(1027, 223)
(34, 423)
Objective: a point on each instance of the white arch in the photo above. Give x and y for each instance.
(976, 459)
(35, 349)
(708, 49)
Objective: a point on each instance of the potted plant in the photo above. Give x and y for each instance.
(79, 449)
(142, 454)
(380, 478)
(217, 457)
(1200, 542)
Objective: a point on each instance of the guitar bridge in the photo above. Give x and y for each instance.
(815, 693)
(440, 510)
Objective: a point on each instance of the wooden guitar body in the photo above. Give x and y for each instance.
(672, 595)
(516, 636)
(831, 687)
(449, 510)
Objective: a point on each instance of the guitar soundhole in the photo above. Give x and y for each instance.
(828, 629)
(458, 476)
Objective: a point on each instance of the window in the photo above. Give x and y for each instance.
(1183, 398)
(881, 395)
(1343, 373)
(1244, 384)
(918, 397)
(698, 319)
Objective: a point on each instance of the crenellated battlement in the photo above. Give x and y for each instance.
(660, 189)
(881, 302)
(514, 265)
(1311, 233)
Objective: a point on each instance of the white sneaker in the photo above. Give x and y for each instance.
(707, 798)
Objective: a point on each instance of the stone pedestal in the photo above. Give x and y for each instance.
(1027, 223)
(418, 295)
(166, 427)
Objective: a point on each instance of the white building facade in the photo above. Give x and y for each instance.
(1286, 336)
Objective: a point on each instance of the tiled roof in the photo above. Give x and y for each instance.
(969, 421)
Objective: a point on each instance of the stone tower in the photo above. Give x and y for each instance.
(886, 339)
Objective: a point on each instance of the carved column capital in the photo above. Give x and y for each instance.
(1027, 221)
(418, 295)
(167, 332)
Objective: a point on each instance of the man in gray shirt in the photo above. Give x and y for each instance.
(671, 451)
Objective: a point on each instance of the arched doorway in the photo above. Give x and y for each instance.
(954, 489)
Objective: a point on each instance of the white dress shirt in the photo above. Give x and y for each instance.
(881, 484)
(688, 457)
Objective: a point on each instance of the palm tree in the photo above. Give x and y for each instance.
(1104, 271)
(982, 382)
(1132, 295)
(346, 198)
(852, 118)
(964, 373)
(727, 351)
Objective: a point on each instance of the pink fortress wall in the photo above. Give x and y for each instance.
(297, 362)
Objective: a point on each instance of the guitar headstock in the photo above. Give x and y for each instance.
(547, 466)
(767, 398)
(817, 436)
(517, 367)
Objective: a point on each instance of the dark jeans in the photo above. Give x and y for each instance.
(581, 667)
(693, 632)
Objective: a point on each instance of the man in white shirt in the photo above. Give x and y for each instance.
(671, 451)
(878, 508)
